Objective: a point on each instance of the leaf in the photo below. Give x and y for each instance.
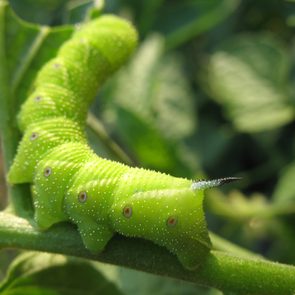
(181, 21)
(28, 47)
(237, 205)
(42, 11)
(290, 13)
(248, 76)
(131, 281)
(24, 48)
(78, 11)
(172, 106)
(150, 105)
(285, 189)
(151, 284)
(36, 273)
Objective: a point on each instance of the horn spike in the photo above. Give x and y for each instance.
(204, 184)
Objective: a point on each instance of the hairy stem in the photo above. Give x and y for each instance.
(220, 270)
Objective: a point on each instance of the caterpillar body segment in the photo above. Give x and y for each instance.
(51, 101)
(82, 64)
(53, 177)
(38, 140)
(170, 217)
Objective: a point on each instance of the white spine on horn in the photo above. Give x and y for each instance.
(204, 184)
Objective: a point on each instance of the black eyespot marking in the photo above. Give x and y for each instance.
(172, 221)
(34, 136)
(47, 171)
(56, 65)
(127, 211)
(82, 197)
(38, 98)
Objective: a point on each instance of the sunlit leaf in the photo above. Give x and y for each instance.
(248, 76)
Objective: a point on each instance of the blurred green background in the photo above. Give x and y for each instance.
(209, 93)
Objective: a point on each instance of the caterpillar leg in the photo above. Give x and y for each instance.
(95, 236)
(87, 202)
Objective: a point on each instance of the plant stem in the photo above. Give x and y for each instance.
(114, 148)
(220, 270)
(224, 245)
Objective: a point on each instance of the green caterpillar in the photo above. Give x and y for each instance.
(71, 183)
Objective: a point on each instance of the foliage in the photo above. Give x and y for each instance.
(43, 273)
(210, 92)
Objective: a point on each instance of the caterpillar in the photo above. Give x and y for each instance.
(71, 183)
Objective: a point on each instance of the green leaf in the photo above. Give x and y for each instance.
(78, 11)
(151, 106)
(146, 13)
(41, 11)
(181, 21)
(285, 189)
(290, 13)
(36, 273)
(248, 76)
(151, 284)
(238, 206)
(26, 47)
(131, 281)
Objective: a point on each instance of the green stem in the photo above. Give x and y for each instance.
(220, 270)
(224, 245)
(114, 148)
